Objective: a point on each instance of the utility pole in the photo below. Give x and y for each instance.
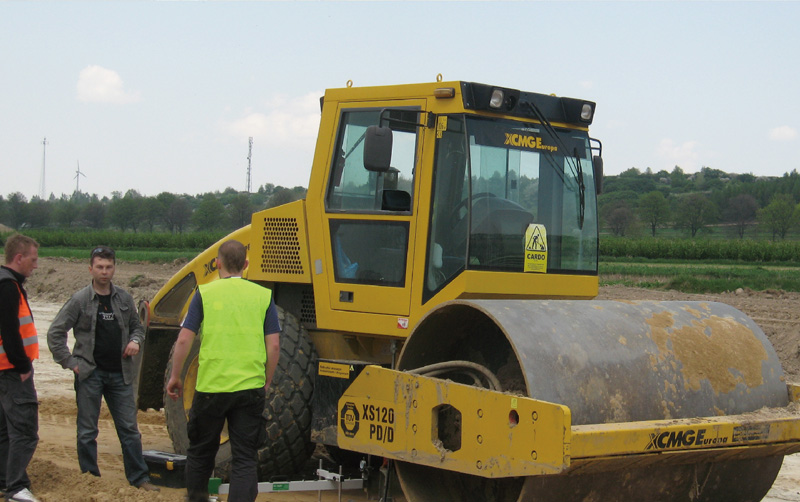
(41, 182)
(249, 157)
(78, 175)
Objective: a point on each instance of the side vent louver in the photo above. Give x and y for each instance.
(281, 247)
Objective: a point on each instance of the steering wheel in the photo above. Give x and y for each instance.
(457, 221)
(454, 213)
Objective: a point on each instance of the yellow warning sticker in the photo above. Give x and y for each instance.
(441, 125)
(536, 248)
(335, 370)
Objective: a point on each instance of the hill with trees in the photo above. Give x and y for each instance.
(710, 202)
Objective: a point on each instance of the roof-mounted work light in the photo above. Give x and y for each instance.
(503, 99)
(485, 97)
(498, 96)
(526, 104)
(586, 112)
(578, 110)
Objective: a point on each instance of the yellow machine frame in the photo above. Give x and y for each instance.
(395, 414)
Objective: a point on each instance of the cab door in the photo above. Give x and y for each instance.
(369, 217)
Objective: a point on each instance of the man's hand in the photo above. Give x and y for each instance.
(174, 388)
(77, 370)
(131, 349)
(179, 352)
(25, 376)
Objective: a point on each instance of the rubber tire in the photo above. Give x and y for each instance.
(288, 407)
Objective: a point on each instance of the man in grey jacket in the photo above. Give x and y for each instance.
(108, 333)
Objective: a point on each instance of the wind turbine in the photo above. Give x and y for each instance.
(78, 175)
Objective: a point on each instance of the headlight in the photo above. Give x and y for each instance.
(496, 101)
(586, 112)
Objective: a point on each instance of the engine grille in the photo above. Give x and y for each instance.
(281, 247)
(308, 310)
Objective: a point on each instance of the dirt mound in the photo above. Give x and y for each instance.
(65, 406)
(60, 484)
(58, 278)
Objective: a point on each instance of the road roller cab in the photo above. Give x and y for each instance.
(466, 214)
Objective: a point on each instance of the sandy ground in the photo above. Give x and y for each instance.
(54, 471)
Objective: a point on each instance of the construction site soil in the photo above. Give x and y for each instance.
(54, 471)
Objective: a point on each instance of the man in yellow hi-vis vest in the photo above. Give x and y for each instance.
(239, 351)
(19, 346)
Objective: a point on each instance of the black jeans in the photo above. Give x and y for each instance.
(19, 430)
(247, 430)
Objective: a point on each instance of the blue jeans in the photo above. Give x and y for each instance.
(19, 430)
(122, 405)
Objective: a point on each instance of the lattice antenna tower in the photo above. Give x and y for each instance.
(249, 158)
(41, 181)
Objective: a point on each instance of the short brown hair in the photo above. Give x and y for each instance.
(19, 244)
(232, 254)
(102, 252)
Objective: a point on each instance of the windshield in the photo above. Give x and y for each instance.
(510, 196)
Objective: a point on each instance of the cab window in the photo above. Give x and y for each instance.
(370, 252)
(352, 188)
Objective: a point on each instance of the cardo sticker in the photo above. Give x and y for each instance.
(536, 248)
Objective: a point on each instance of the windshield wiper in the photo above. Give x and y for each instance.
(576, 167)
(581, 190)
(355, 145)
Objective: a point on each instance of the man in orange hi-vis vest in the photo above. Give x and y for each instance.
(19, 346)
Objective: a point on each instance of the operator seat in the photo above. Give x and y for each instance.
(395, 200)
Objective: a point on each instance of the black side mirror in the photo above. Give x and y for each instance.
(597, 166)
(378, 149)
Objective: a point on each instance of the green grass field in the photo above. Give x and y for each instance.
(701, 276)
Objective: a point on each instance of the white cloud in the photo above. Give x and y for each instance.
(683, 155)
(101, 85)
(783, 133)
(285, 121)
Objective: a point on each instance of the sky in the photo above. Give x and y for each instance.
(163, 96)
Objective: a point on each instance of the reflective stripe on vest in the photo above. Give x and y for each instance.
(233, 354)
(27, 331)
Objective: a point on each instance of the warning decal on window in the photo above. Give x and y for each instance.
(536, 248)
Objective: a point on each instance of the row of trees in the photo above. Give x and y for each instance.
(635, 202)
(227, 210)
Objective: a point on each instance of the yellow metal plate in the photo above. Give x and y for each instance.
(772, 427)
(452, 426)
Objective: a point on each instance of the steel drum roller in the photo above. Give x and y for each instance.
(609, 362)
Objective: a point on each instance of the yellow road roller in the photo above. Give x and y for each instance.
(436, 289)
